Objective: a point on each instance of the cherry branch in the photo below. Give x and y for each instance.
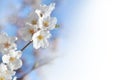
(26, 45)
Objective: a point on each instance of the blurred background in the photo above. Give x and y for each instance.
(86, 46)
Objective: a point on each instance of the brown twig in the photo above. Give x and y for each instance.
(26, 45)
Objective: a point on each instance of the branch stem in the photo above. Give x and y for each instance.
(26, 45)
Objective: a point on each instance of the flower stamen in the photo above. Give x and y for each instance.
(6, 45)
(40, 37)
(2, 78)
(12, 59)
(46, 23)
(34, 22)
(31, 31)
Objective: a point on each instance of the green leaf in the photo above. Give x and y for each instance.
(57, 26)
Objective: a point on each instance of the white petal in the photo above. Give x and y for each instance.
(36, 44)
(3, 67)
(53, 23)
(5, 59)
(16, 64)
(38, 12)
(19, 54)
(45, 44)
(24, 33)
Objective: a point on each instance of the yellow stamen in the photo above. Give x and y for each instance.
(34, 22)
(31, 31)
(2, 78)
(40, 37)
(6, 45)
(12, 59)
(46, 23)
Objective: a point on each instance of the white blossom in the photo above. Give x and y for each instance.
(7, 43)
(5, 73)
(12, 59)
(37, 29)
(48, 23)
(40, 39)
(44, 10)
(3, 67)
(32, 19)
(27, 32)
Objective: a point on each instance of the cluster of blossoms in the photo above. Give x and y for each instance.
(38, 26)
(36, 30)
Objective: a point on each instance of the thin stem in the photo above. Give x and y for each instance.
(26, 45)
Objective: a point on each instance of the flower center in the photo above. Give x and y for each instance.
(40, 37)
(12, 59)
(31, 31)
(34, 22)
(2, 78)
(6, 45)
(46, 23)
